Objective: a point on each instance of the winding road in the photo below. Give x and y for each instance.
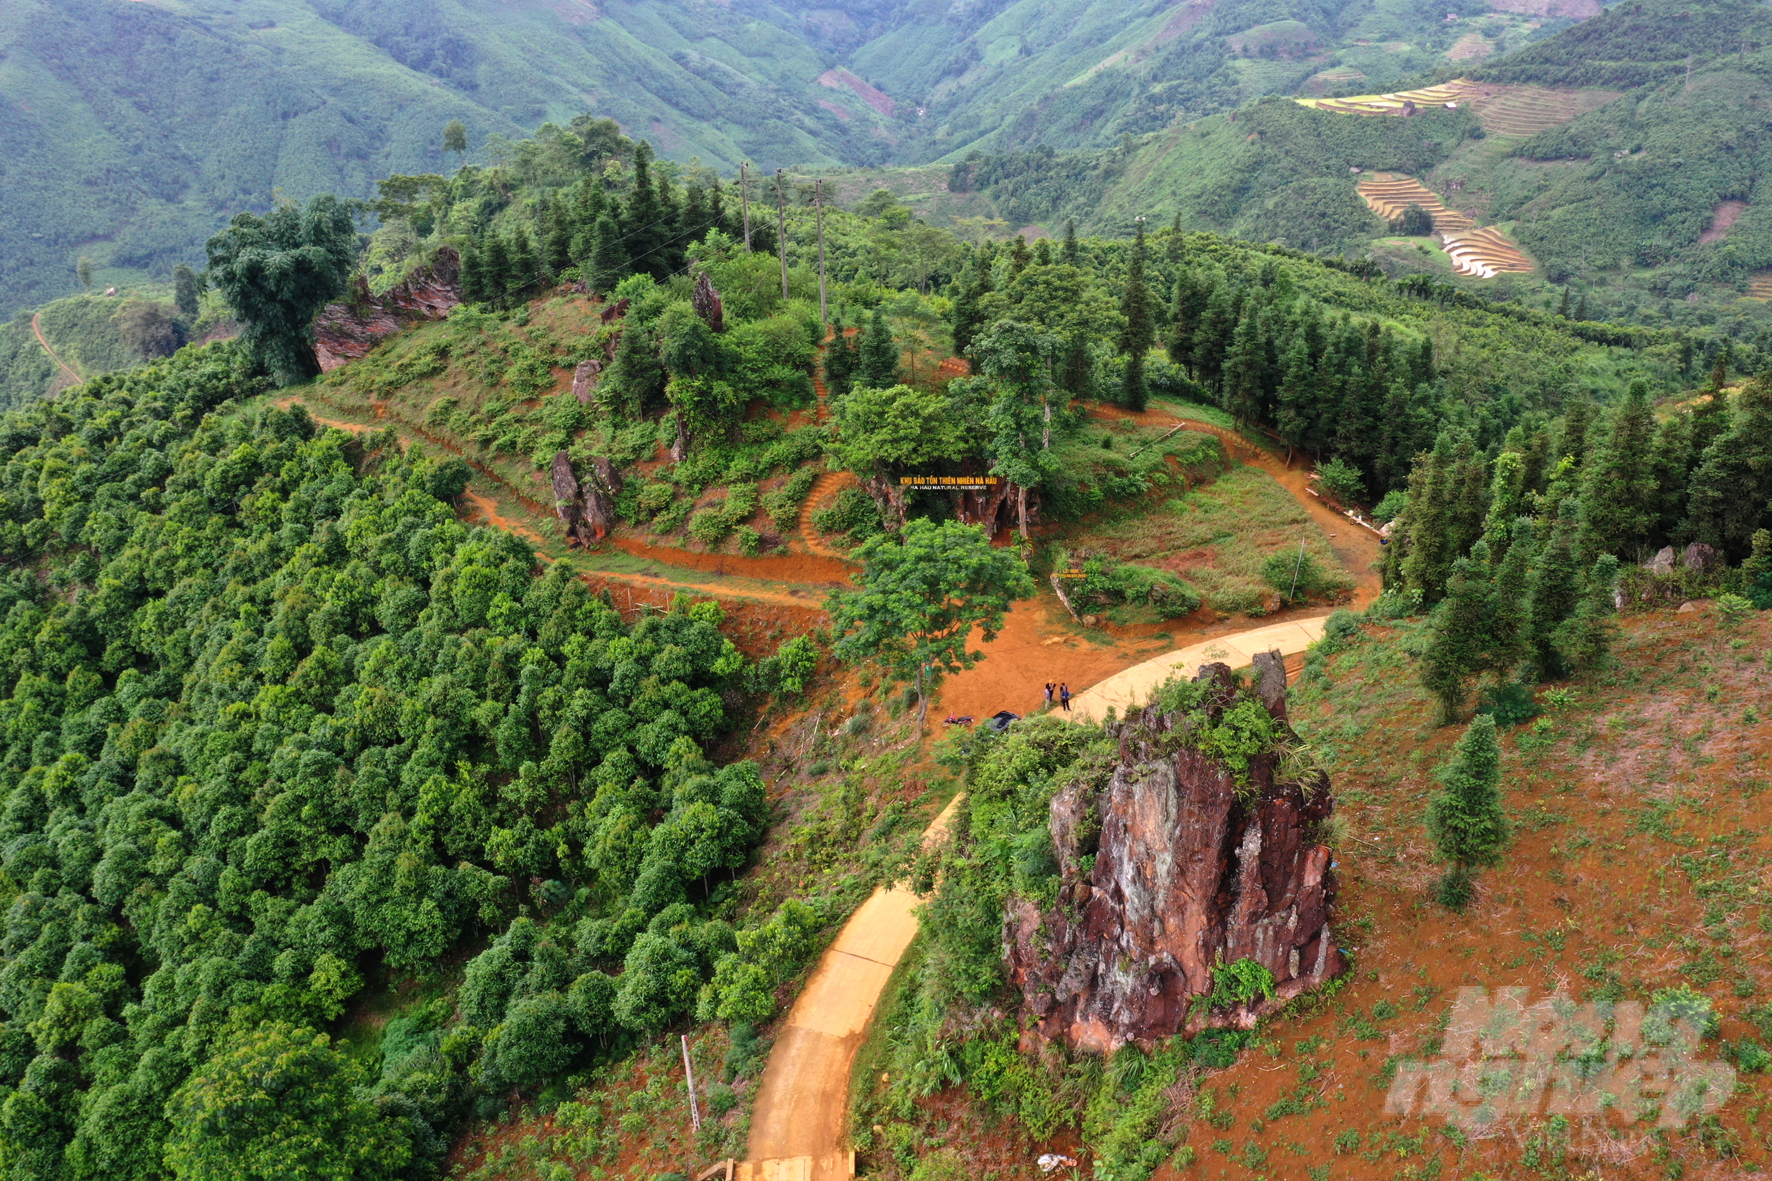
(798, 1125)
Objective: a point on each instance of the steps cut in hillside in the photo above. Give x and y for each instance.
(1486, 253)
(1389, 195)
(1503, 109)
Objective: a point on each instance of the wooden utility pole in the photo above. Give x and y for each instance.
(689, 1074)
(781, 227)
(818, 204)
(744, 203)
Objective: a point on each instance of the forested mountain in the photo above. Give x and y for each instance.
(131, 129)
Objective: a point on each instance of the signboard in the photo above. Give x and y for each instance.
(956, 483)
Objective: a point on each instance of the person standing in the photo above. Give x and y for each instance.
(1064, 696)
(1048, 694)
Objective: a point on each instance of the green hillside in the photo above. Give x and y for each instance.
(130, 131)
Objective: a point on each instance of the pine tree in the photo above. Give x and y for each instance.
(495, 267)
(1018, 257)
(1553, 593)
(520, 278)
(609, 263)
(644, 220)
(1508, 628)
(1466, 820)
(1581, 307)
(586, 213)
(840, 359)
(473, 273)
(1730, 492)
(1297, 382)
(967, 316)
(1618, 489)
(1245, 375)
(1178, 338)
(554, 223)
(1578, 419)
(1457, 642)
(187, 291)
(1563, 308)
(878, 363)
(1140, 331)
(1584, 639)
(1069, 255)
(1043, 253)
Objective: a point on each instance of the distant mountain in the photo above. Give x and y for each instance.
(130, 130)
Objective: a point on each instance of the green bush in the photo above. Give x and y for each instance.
(710, 525)
(850, 512)
(1341, 480)
(750, 542)
(1510, 703)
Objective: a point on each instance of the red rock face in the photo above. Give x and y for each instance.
(346, 331)
(1188, 873)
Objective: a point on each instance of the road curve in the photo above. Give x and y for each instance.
(44, 341)
(803, 1098)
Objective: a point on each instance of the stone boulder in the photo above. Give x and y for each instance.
(1699, 557)
(1663, 561)
(346, 331)
(587, 507)
(1191, 870)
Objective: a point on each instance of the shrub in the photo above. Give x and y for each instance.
(1749, 1054)
(1391, 507)
(1732, 609)
(1298, 575)
(750, 542)
(850, 512)
(1341, 480)
(1510, 704)
(710, 526)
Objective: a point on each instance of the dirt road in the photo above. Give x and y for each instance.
(803, 1096)
(67, 370)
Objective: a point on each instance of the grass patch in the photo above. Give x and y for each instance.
(1217, 537)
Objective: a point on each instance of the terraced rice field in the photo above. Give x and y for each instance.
(1487, 253)
(1504, 110)
(1399, 103)
(1760, 286)
(1389, 195)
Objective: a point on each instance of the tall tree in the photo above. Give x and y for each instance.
(1553, 592)
(83, 272)
(645, 221)
(187, 291)
(1017, 359)
(882, 434)
(455, 139)
(1458, 639)
(878, 362)
(609, 262)
(967, 316)
(1619, 494)
(1584, 639)
(922, 594)
(1140, 330)
(1466, 820)
(277, 271)
(1069, 255)
(1731, 492)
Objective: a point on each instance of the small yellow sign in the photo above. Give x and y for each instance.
(948, 481)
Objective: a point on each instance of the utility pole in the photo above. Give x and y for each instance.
(744, 203)
(689, 1074)
(818, 204)
(781, 226)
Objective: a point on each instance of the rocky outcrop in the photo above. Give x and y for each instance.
(346, 331)
(586, 508)
(1192, 870)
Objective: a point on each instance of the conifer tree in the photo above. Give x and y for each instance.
(1553, 593)
(644, 221)
(1584, 639)
(556, 228)
(520, 278)
(1578, 419)
(1244, 369)
(1508, 627)
(1043, 253)
(840, 359)
(1293, 415)
(1458, 640)
(187, 291)
(877, 366)
(495, 267)
(967, 315)
(1140, 332)
(1069, 255)
(1178, 337)
(1729, 494)
(1563, 308)
(1018, 256)
(1465, 819)
(608, 263)
(587, 211)
(1618, 488)
(473, 274)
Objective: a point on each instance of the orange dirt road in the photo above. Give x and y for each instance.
(803, 1097)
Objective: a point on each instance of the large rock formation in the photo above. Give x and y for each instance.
(586, 508)
(346, 331)
(1191, 870)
